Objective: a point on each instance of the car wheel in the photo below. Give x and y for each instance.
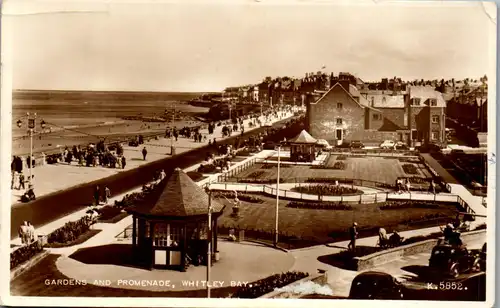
(454, 272)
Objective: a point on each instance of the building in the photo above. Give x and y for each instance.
(470, 107)
(344, 113)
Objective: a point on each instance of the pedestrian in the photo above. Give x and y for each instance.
(97, 193)
(31, 233)
(124, 162)
(144, 153)
(408, 186)
(353, 233)
(107, 194)
(433, 187)
(163, 175)
(12, 178)
(23, 233)
(21, 181)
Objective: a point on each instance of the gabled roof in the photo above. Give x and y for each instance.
(354, 90)
(386, 100)
(426, 93)
(179, 196)
(303, 137)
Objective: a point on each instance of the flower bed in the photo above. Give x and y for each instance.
(408, 160)
(410, 169)
(339, 165)
(241, 196)
(342, 157)
(209, 168)
(256, 174)
(23, 254)
(328, 180)
(70, 231)
(263, 286)
(394, 205)
(319, 205)
(130, 199)
(196, 176)
(80, 239)
(259, 181)
(327, 190)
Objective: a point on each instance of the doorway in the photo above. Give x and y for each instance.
(339, 136)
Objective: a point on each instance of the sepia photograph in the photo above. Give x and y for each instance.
(263, 153)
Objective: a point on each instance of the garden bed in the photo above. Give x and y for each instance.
(392, 205)
(241, 196)
(80, 239)
(319, 205)
(69, 233)
(410, 169)
(327, 190)
(24, 254)
(263, 286)
(196, 176)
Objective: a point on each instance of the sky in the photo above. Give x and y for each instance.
(207, 47)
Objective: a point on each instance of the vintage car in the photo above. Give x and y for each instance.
(356, 144)
(401, 146)
(453, 260)
(375, 285)
(387, 144)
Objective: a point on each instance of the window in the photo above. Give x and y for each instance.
(339, 105)
(434, 135)
(433, 102)
(376, 116)
(416, 101)
(435, 119)
(339, 121)
(373, 101)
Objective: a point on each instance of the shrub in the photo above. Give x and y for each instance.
(209, 168)
(326, 190)
(263, 286)
(410, 169)
(241, 196)
(339, 165)
(393, 205)
(70, 231)
(342, 157)
(256, 174)
(24, 253)
(130, 199)
(319, 205)
(108, 212)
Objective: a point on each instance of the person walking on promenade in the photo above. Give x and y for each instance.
(107, 194)
(21, 181)
(432, 187)
(23, 233)
(353, 233)
(12, 179)
(144, 153)
(163, 175)
(124, 162)
(408, 185)
(31, 233)
(97, 193)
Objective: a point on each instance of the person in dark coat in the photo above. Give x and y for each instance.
(353, 234)
(124, 162)
(21, 181)
(144, 153)
(97, 194)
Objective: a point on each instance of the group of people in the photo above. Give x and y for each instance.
(27, 233)
(403, 185)
(103, 195)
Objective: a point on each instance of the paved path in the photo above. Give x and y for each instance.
(57, 205)
(447, 177)
(306, 260)
(71, 175)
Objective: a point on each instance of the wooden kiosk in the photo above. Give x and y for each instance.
(170, 227)
(303, 148)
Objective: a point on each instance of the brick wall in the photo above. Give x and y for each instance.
(323, 115)
(393, 119)
(374, 136)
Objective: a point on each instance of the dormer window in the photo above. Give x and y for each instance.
(433, 102)
(415, 101)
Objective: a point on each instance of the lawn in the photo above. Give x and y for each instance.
(317, 225)
(378, 169)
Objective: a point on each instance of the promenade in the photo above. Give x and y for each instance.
(72, 175)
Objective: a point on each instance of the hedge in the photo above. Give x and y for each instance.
(70, 231)
(319, 205)
(241, 196)
(24, 253)
(263, 286)
(326, 190)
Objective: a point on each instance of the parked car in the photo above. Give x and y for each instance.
(356, 144)
(387, 144)
(428, 148)
(375, 285)
(453, 261)
(400, 145)
(324, 144)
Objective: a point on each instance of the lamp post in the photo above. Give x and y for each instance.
(172, 150)
(31, 128)
(209, 238)
(277, 196)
